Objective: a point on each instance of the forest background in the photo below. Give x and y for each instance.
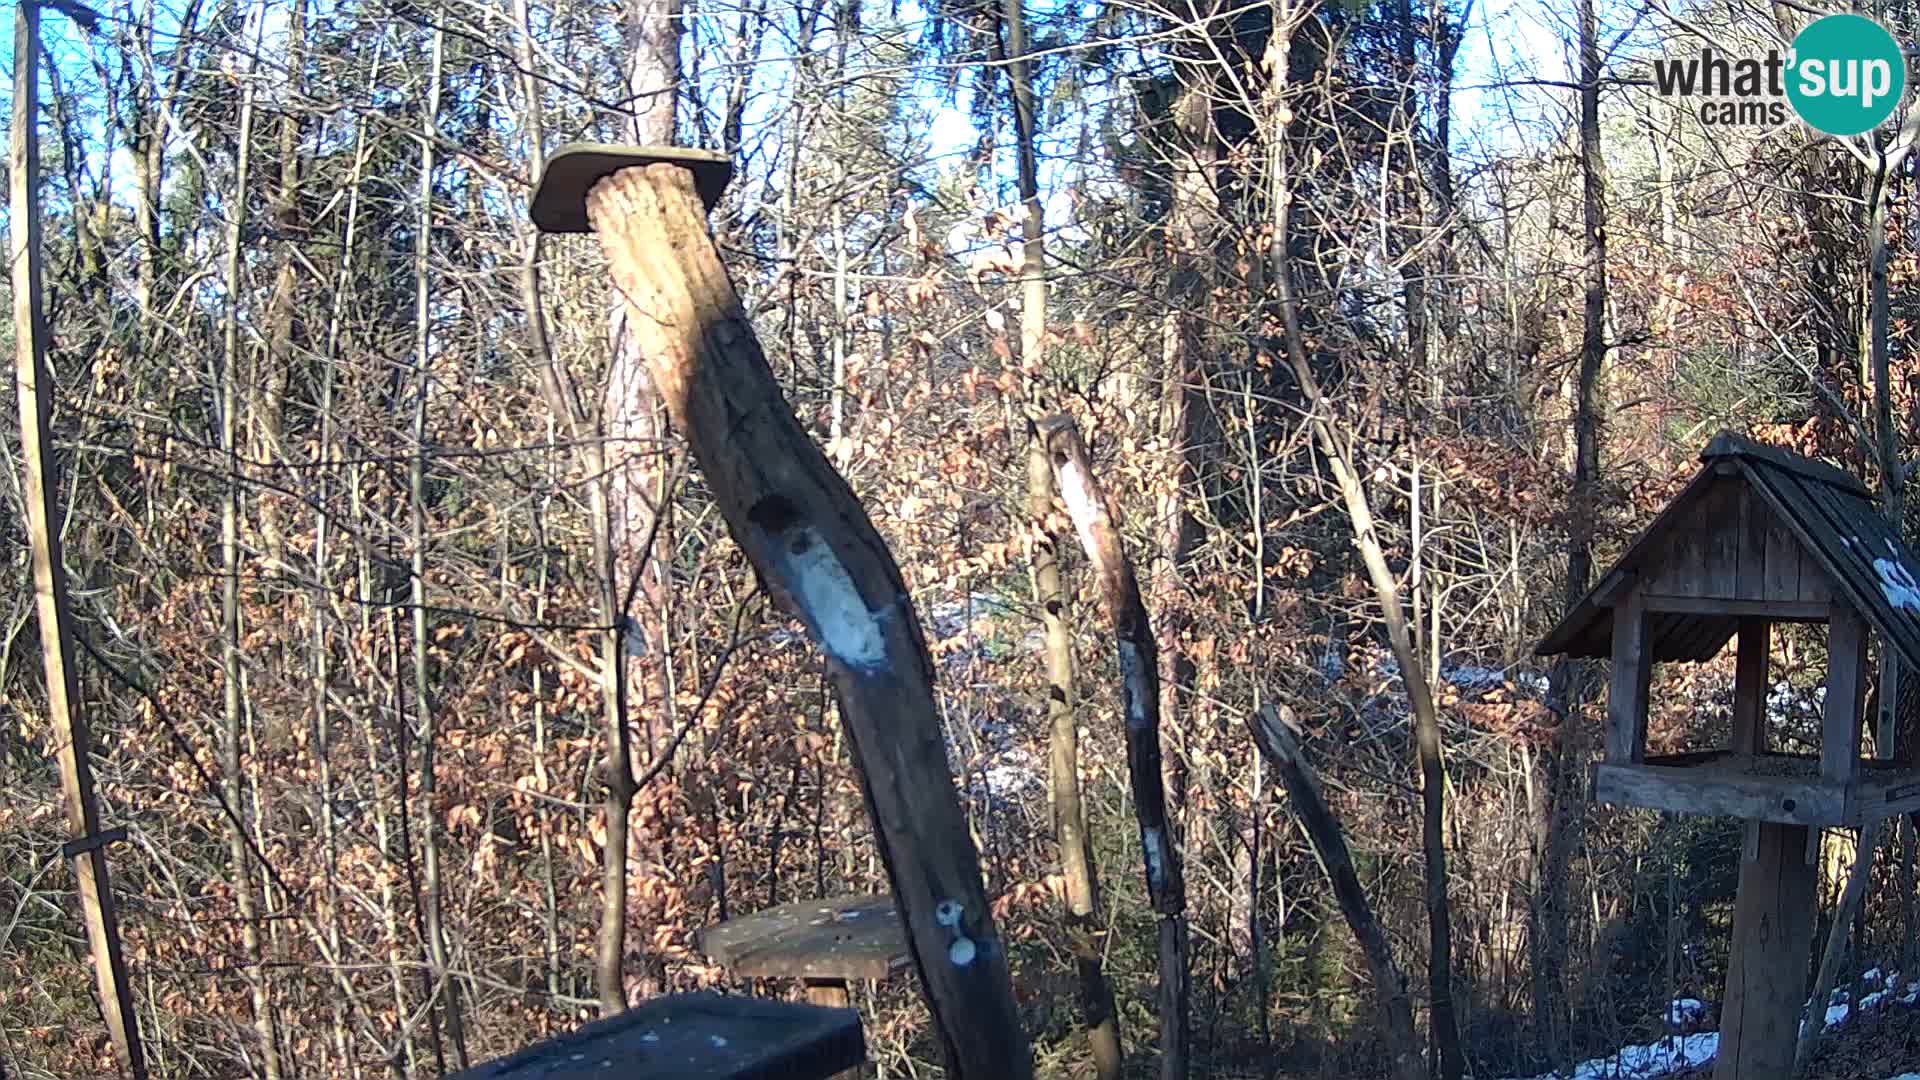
(1417, 307)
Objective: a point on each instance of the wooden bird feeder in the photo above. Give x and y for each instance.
(1760, 536)
(826, 944)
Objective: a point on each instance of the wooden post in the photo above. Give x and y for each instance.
(1632, 669)
(41, 490)
(1846, 685)
(811, 542)
(1767, 971)
(1750, 687)
(1092, 516)
(832, 993)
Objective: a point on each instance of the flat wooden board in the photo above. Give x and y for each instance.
(559, 202)
(695, 1037)
(1783, 788)
(845, 937)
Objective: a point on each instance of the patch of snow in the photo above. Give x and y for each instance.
(1474, 677)
(962, 952)
(1670, 1055)
(1685, 1011)
(1897, 584)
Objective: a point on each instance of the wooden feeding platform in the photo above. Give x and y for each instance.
(695, 1037)
(1760, 536)
(824, 943)
(1784, 788)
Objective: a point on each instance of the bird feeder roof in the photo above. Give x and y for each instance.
(1759, 531)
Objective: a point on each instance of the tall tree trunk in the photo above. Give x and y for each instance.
(230, 666)
(1097, 1013)
(631, 569)
(40, 494)
(1560, 815)
(445, 986)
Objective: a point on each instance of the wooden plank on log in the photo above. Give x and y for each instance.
(846, 937)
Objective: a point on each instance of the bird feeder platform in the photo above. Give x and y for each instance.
(826, 944)
(695, 1037)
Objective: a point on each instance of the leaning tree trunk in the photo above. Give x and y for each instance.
(1274, 735)
(1386, 591)
(1093, 520)
(811, 542)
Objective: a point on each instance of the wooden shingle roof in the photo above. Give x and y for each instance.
(1757, 527)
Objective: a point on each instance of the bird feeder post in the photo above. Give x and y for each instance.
(814, 547)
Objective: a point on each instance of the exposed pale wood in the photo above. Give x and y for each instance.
(1276, 741)
(1627, 690)
(1846, 687)
(1750, 687)
(846, 937)
(40, 487)
(1767, 969)
(812, 543)
(1722, 792)
(696, 1037)
(1780, 610)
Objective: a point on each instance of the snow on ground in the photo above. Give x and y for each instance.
(1669, 1055)
(1684, 1011)
(1677, 1053)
